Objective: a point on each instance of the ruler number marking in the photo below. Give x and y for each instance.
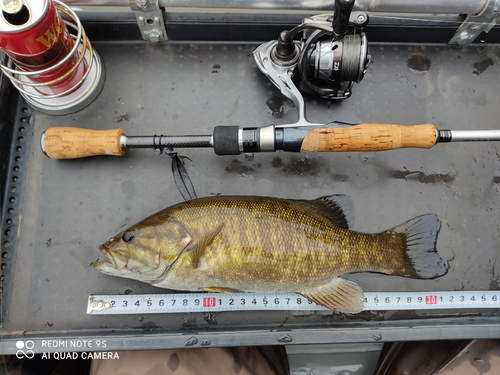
(431, 300)
(210, 302)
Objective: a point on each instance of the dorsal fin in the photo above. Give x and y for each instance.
(338, 209)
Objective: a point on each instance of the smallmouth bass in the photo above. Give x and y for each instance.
(263, 244)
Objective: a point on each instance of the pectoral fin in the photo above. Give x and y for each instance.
(179, 238)
(339, 294)
(199, 246)
(217, 289)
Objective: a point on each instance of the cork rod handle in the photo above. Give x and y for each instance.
(73, 143)
(369, 137)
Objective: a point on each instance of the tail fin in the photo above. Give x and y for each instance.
(419, 249)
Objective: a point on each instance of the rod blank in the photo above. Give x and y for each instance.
(161, 141)
(475, 136)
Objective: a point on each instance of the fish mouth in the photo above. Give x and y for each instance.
(116, 259)
(108, 262)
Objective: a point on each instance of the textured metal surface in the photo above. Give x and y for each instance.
(73, 206)
(12, 205)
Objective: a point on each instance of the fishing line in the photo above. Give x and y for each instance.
(344, 63)
(350, 58)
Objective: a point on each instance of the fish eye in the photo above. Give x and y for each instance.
(128, 236)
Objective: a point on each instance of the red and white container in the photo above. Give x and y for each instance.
(56, 73)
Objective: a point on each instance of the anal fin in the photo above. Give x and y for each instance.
(339, 294)
(217, 289)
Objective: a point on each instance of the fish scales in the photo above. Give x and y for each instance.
(299, 244)
(261, 244)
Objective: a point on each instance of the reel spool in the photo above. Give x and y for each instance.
(329, 68)
(56, 72)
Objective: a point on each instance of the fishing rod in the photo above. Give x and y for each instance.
(326, 61)
(71, 143)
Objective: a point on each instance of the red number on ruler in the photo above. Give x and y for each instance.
(431, 300)
(209, 302)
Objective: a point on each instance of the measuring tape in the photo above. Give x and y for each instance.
(217, 302)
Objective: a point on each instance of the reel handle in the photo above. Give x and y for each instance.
(369, 137)
(73, 143)
(341, 14)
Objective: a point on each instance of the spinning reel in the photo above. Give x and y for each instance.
(327, 59)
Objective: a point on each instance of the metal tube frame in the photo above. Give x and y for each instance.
(481, 14)
(380, 6)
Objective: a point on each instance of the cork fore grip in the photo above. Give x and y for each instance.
(369, 137)
(73, 143)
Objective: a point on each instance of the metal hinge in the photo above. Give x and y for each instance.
(476, 24)
(150, 19)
